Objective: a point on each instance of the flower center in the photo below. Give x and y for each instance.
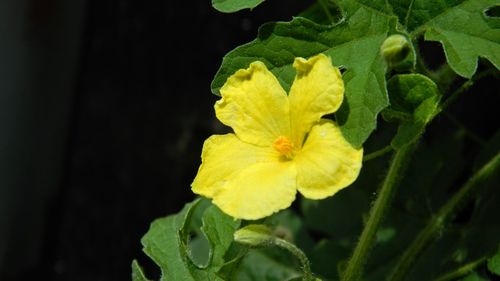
(284, 146)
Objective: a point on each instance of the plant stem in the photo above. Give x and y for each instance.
(358, 259)
(461, 271)
(436, 224)
(377, 153)
(306, 267)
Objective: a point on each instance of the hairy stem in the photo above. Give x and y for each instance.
(306, 267)
(461, 271)
(377, 154)
(355, 266)
(436, 224)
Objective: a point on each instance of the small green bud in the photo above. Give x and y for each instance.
(254, 235)
(395, 48)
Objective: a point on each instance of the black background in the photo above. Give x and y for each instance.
(141, 112)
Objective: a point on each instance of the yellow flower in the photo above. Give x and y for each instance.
(280, 142)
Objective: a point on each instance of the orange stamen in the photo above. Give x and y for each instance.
(284, 146)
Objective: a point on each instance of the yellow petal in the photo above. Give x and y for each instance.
(327, 162)
(258, 191)
(317, 90)
(255, 105)
(223, 157)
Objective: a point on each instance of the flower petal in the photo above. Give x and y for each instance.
(255, 105)
(327, 162)
(317, 90)
(223, 157)
(259, 190)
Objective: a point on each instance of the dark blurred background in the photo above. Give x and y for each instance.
(104, 106)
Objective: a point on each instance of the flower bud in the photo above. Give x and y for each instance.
(395, 48)
(254, 235)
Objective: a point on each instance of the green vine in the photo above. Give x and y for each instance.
(354, 269)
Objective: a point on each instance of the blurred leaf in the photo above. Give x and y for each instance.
(474, 277)
(475, 235)
(456, 246)
(353, 44)
(414, 100)
(200, 249)
(435, 167)
(167, 243)
(231, 6)
(461, 26)
(338, 216)
(395, 234)
(137, 274)
(337, 221)
(494, 264)
(327, 258)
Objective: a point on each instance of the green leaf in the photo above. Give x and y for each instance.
(415, 97)
(258, 265)
(462, 27)
(167, 243)
(353, 44)
(494, 264)
(218, 228)
(231, 6)
(137, 274)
